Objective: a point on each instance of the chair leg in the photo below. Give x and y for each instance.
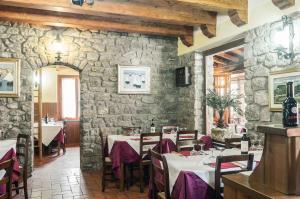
(127, 176)
(64, 148)
(17, 187)
(122, 178)
(58, 147)
(141, 176)
(25, 188)
(103, 178)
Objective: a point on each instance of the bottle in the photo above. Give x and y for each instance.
(244, 144)
(152, 127)
(46, 118)
(290, 108)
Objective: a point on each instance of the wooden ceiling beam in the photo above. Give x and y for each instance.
(95, 23)
(229, 57)
(283, 4)
(208, 30)
(129, 10)
(210, 5)
(238, 17)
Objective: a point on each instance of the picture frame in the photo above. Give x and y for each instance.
(134, 79)
(277, 87)
(9, 77)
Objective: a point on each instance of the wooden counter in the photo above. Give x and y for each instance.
(279, 167)
(237, 186)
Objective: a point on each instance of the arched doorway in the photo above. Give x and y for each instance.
(56, 99)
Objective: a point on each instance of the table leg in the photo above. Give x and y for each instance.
(122, 178)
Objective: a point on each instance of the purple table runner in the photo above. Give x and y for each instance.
(16, 170)
(190, 186)
(123, 152)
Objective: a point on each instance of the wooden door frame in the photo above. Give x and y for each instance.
(212, 51)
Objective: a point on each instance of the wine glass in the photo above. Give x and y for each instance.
(260, 146)
(212, 152)
(253, 141)
(221, 149)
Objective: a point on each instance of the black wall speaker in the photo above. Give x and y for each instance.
(183, 76)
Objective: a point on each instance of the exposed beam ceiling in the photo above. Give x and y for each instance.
(76, 21)
(175, 18)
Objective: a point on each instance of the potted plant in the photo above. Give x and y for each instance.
(220, 103)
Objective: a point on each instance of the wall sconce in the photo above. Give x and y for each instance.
(284, 39)
(58, 47)
(36, 79)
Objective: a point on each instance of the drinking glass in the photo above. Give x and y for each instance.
(253, 141)
(212, 152)
(221, 149)
(201, 144)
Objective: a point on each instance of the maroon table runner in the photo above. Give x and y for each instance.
(123, 152)
(60, 137)
(16, 169)
(190, 186)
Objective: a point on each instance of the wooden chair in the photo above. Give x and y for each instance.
(63, 146)
(7, 178)
(22, 156)
(185, 140)
(145, 144)
(107, 166)
(233, 143)
(128, 130)
(225, 159)
(159, 176)
(168, 128)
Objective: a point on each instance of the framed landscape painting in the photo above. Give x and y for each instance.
(277, 87)
(9, 77)
(133, 80)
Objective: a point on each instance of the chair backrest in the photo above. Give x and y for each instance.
(128, 130)
(148, 141)
(7, 178)
(233, 142)
(225, 159)
(168, 128)
(103, 145)
(22, 152)
(185, 140)
(159, 174)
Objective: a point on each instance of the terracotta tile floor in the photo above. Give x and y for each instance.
(61, 178)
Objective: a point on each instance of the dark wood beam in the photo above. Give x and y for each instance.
(129, 10)
(283, 4)
(187, 40)
(229, 57)
(233, 53)
(208, 30)
(77, 21)
(210, 5)
(238, 17)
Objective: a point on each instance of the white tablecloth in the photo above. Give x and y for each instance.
(49, 131)
(135, 144)
(197, 164)
(6, 145)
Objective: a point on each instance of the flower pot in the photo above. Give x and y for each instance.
(220, 134)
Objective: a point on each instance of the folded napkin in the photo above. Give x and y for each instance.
(185, 153)
(137, 139)
(226, 165)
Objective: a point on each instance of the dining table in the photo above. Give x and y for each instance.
(126, 148)
(50, 131)
(7, 152)
(193, 176)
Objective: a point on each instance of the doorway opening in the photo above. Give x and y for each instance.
(225, 74)
(56, 111)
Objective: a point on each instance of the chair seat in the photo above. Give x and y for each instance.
(108, 160)
(161, 195)
(146, 162)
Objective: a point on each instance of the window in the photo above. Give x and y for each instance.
(68, 88)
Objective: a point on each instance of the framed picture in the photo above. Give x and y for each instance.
(277, 87)
(133, 80)
(9, 77)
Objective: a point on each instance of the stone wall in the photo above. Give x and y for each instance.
(190, 112)
(260, 61)
(96, 55)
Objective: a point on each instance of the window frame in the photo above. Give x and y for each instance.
(59, 89)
